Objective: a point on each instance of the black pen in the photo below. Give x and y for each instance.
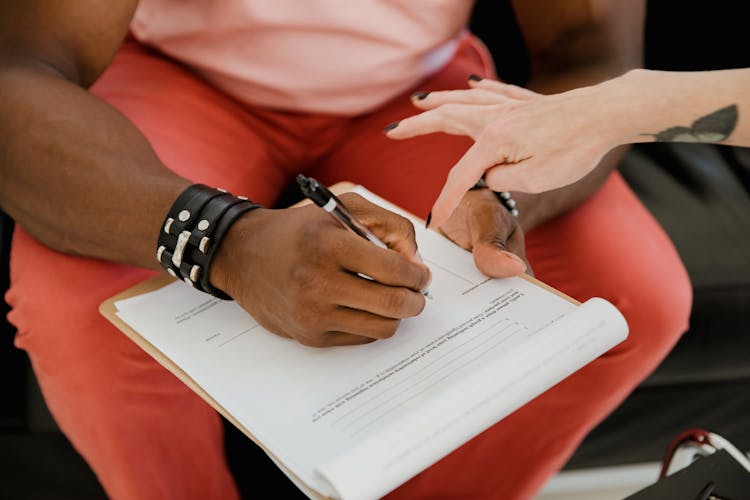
(324, 198)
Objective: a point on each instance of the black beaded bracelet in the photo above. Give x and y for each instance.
(504, 197)
(192, 231)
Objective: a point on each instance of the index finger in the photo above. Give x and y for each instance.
(396, 231)
(462, 177)
(385, 266)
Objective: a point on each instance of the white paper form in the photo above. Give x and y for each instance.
(453, 269)
(470, 403)
(351, 421)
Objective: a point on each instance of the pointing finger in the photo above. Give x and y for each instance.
(462, 177)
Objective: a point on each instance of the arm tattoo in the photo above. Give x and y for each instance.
(714, 127)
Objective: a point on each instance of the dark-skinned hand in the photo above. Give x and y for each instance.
(484, 226)
(296, 272)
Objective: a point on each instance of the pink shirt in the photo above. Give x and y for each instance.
(323, 56)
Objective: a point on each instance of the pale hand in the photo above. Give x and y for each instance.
(524, 141)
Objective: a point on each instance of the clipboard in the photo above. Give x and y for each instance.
(109, 311)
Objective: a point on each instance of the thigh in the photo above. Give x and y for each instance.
(612, 247)
(608, 247)
(144, 433)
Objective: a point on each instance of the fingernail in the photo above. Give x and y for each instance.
(429, 218)
(391, 126)
(515, 257)
(429, 275)
(474, 78)
(419, 95)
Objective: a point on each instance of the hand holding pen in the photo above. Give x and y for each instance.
(299, 275)
(324, 198)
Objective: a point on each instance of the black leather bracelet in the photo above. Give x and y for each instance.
(207, 221)
(505, 198)
(192, 231)
(186, 208)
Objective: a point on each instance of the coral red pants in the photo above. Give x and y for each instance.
(147, 436)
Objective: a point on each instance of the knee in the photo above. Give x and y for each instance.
(657, 311)
(55, 298)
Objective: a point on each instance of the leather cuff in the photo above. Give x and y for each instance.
(192, 231)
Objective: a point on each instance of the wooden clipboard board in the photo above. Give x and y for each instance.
(109, 311)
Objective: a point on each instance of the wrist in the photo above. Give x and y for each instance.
(235, 250)
(504, 197)
(635, 104)
(193, 230)
(607, 111)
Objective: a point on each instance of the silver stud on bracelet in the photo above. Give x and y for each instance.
(195, 272)
(183, 216)
(203, 224)
(203, 245)
(179, 249)
(168, 225)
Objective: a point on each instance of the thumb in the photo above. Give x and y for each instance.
(494, 239)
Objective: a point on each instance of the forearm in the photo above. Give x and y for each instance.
(706, 106)
(644, 106)
(77, 174)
